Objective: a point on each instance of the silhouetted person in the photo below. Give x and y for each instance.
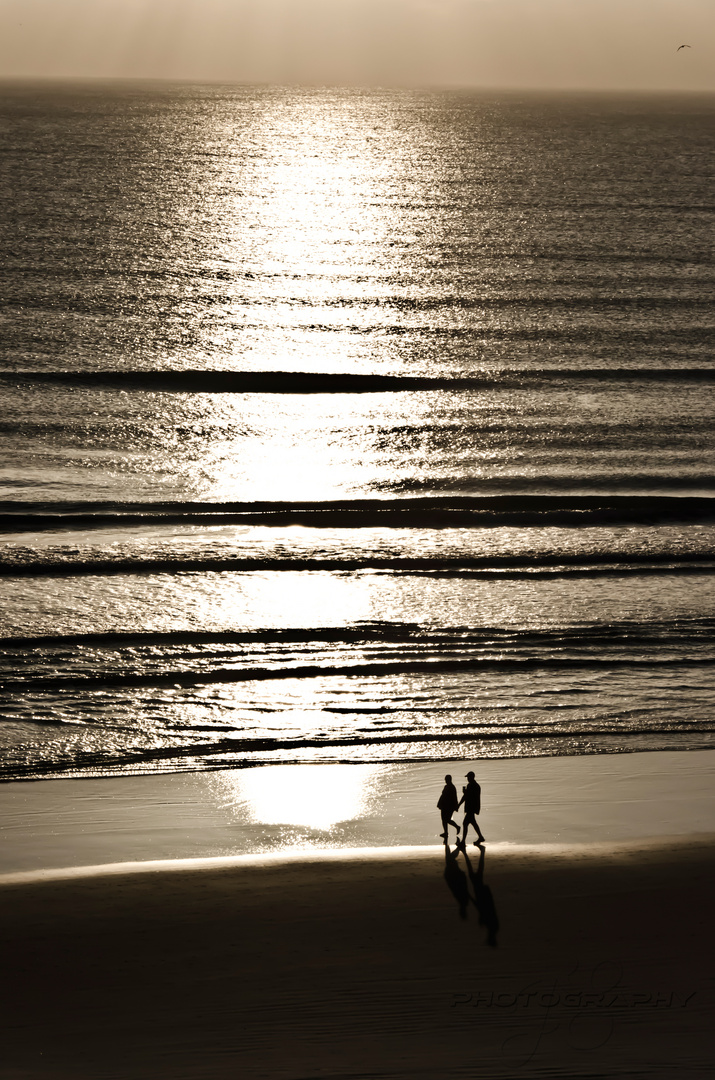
(472, 799)
(483, 899)
(457, 880)
(447, 804)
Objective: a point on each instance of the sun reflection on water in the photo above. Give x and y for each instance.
(293, 599)
(318, 227)
(305, 447)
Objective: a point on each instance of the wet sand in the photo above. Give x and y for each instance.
(286, 924)
(304, 808)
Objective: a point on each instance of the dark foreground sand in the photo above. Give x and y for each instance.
(362, 966)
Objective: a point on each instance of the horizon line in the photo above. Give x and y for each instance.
(185, 80)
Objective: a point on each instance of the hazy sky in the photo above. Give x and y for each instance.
(594, 44)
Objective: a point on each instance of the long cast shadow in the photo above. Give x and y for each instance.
(456, 879)
(482, 897)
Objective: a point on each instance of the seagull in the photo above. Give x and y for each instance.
(683, 47)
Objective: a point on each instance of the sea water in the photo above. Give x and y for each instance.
(352, 426)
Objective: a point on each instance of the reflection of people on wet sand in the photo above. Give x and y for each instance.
(472, 799)
(447, 804)
(483, 899)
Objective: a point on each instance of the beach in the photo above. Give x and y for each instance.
(559, 958)
(362, 966)
(351, 438)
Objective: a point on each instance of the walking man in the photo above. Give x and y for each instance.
(446, 805)
(472, 799)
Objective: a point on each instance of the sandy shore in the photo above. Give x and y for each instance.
(307, 808)
(573, 961)
(286, 923)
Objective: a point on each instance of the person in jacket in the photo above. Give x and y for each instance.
(472, 799)
(447, 804)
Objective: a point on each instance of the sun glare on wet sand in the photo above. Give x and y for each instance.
(313, 796)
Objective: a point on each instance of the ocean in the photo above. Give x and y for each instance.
(349, 425)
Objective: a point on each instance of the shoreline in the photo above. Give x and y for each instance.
(303, 809)
(285, 859)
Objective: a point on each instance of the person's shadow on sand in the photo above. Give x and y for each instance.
(482, 897)
(456, 880)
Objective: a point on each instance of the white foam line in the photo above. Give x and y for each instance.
(308, 855)
(217, 862)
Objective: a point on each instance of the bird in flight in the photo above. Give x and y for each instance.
(683, 47)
